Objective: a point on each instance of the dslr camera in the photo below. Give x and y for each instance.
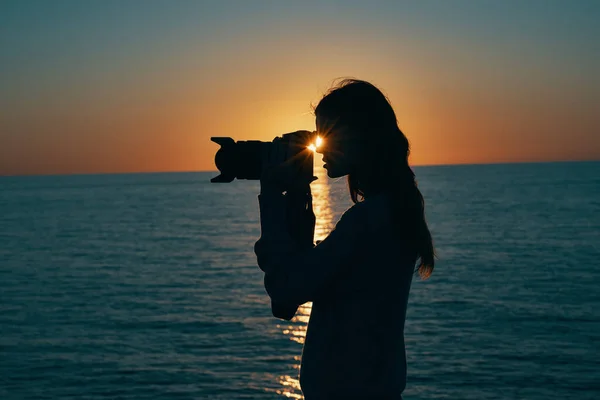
(245, 159)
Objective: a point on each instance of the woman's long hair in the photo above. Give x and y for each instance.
(364, 109)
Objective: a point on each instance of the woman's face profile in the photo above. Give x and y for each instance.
(338, 151)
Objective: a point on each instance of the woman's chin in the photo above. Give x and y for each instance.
(333, 173)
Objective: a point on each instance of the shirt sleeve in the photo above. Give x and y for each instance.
(295, 275)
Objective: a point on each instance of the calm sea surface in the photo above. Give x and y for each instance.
(145, 286)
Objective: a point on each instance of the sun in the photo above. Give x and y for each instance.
(314, 146)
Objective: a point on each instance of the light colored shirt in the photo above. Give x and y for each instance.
(358, 279)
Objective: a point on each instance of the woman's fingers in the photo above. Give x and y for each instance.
(286, 164)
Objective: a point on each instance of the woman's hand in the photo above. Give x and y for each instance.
(282, 173)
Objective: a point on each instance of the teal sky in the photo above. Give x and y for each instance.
(122, 86)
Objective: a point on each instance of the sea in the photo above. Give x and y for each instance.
(145, 286)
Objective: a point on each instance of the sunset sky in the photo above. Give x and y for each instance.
(128, 86)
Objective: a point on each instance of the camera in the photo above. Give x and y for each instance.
(244, 159)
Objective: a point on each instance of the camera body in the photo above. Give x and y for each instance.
(245, 159)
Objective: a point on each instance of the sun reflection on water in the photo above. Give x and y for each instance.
(296, 328)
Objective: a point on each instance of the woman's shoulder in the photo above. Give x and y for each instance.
(374, 212)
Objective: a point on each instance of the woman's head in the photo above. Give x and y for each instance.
(361, 139)
(361, 134)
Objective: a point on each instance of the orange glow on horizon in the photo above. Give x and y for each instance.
(464, 91)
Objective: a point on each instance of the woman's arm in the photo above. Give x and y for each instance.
(295, 274)
(296, 271)
(299, 221)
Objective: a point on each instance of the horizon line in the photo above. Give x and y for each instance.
(216, 171)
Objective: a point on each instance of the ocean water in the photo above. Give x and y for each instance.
(145, 286)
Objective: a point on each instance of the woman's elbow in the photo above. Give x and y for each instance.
(279, 291)
(264, 261)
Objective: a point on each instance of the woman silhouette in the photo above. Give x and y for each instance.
(359, 277)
